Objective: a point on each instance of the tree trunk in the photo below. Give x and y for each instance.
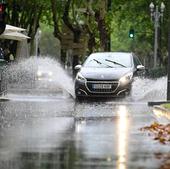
(33, 30)
(15, 13)
(103, 33)
(76, 32)
(57, 32)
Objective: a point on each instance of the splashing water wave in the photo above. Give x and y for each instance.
(144, 89)
(22, 75)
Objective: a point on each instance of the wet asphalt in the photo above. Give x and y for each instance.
(57, 132)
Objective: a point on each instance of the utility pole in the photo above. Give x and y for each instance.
(155, 15)
(156, 36)
(168, 78)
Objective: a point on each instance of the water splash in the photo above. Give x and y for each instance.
(22, 75)
(144, 89)
(60, 77)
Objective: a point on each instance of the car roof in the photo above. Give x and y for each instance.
(130, 53)
(98, 54)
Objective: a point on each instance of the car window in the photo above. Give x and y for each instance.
(108, 60)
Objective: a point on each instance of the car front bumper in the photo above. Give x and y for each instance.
(85, 89)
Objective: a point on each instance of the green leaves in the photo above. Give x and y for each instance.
(95, 19)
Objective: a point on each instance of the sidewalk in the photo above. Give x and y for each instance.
(161, 111)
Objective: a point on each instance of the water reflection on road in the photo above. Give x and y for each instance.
(104, 142)
(122, 137)
(42, 133)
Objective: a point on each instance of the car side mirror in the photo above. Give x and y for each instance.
(140, 67)
(77, 67)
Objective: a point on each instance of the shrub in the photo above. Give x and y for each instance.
(156, 72)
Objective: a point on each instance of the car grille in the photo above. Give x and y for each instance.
(113, 86)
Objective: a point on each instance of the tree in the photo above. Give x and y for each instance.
(26, 14)
(94, 19)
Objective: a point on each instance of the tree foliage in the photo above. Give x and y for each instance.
(98, 19)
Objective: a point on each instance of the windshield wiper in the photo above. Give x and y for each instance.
(102, 63)
(114, 62)
(97, 61)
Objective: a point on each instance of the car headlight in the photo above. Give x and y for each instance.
(50, 73)
(39, 73)
(126, 78)
(80, 77)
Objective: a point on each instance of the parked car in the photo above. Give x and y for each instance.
(107, 74)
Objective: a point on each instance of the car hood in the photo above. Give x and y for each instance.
(104, 73)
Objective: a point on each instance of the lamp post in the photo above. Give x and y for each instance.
(155, 16)
(168, 79)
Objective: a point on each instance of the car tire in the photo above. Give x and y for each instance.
(79, 98)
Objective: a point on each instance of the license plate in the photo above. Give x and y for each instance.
(102, 86)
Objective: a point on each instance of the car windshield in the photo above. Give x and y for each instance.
(109, 60)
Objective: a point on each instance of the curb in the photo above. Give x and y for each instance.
(161, 112)
(154, 103)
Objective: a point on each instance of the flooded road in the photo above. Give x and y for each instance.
(43, 127)
(46, 132)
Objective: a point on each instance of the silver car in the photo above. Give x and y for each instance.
(106, 74)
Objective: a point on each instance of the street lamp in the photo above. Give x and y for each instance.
(155, 16)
